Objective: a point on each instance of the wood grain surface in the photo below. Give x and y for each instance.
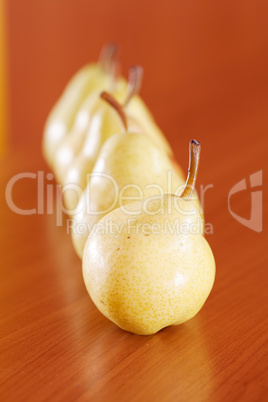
(205, 78)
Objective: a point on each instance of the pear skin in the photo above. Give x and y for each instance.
(143, 274)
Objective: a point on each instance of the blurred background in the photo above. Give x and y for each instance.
(205, 62)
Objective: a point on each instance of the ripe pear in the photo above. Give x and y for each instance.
(128, 162)
(62, 116)
(150, 267)
(129, 166)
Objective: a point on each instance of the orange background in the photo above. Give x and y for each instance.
(3, 77)
(205, 62)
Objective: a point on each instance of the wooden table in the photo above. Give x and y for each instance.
(55, 345)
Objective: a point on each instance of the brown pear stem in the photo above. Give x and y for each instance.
(194, 157)
(116, 105)
(134, 82)
(107, 56)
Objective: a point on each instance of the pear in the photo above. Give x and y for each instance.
(130, 165)
(62, 116)
(150, 267)
(104, 122)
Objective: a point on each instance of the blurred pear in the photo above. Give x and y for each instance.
(62, 116)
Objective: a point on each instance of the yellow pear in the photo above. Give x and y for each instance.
(102, 125)
(149, 267)
(62, 116)
(130, 166)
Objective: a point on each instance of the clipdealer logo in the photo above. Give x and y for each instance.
(50, 198)
(255, 222)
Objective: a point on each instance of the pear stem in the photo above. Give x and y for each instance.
(134, 82)
(116, 105)
(107, 56)
(194, 157)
